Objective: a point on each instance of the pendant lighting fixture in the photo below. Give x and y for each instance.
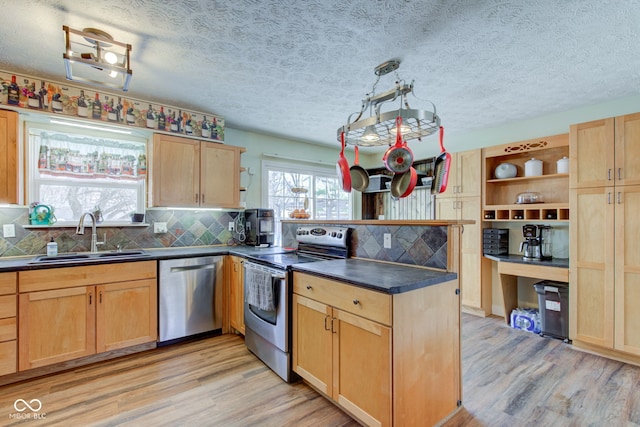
(379, 128)
(93, 56)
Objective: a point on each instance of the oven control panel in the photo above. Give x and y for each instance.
(325, 236)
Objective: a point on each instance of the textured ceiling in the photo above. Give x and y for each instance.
(298, 68)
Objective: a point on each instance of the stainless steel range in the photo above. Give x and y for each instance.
(268, 287)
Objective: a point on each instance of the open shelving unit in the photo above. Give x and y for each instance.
(500, 195)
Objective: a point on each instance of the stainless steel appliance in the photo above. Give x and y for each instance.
(259, 227)
(268, 329)
(190, 298)
(537, 242)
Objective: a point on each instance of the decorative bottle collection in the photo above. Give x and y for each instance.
(63, 99)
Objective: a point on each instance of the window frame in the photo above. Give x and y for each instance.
(308, 169)
(33, 180)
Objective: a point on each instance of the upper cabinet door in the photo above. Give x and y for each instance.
(627, 150)
(592, 154)
(8, 157)
(220, 177)
(469, 165)
(175, 171)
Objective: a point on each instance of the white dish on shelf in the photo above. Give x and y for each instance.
(505, 170)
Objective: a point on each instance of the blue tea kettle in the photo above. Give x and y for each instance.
(42, 215)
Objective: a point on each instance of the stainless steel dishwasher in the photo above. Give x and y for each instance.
(190, 298)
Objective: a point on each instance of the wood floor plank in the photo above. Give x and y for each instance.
(510, 378)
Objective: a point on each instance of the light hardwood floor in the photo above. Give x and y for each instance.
(511, 378)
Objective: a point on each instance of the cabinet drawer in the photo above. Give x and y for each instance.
(7, 306)
(71, 277)
(8, 329)
(370, 304)
(8, 283)
(8, 359)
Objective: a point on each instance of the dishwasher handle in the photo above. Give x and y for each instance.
(192, 267)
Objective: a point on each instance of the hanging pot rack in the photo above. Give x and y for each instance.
(416, 123)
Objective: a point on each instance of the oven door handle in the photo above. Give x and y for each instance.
(277, 276)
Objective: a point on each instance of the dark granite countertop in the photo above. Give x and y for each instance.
(554, 262)
(383, 277)
(26, 262)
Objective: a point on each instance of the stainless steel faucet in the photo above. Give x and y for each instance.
(94, 236)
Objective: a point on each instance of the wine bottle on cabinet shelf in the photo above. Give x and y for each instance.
(162, 119)
(173, 126)
(206, 132)
(112, 112)
(131, 118)
(179, 120)
(96, 108)
(151, 118)
(13, 97)
(43, 96)
(119, 108)
(214, 129)
(82, 105)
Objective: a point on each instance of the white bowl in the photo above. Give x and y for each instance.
(505, 170)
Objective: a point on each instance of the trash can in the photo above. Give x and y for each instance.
(553, 302)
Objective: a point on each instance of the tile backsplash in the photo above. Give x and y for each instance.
(184, 228)
(415, 245)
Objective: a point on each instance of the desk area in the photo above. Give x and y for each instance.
(512, 266)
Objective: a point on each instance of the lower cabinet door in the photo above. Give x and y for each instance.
(627, 269)
(8, 357)
(312, 342)
(362, 368)
(56, 326)
(236, 294)
(126, 314)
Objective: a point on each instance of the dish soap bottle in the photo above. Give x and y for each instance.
(52, 248)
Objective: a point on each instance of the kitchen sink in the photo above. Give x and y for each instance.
(71, 257)
(115, 254)
(60, 258)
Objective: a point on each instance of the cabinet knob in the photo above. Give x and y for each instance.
(356, 301)
(309, 287)
(326, 326)
(197, 197)
(202, 198)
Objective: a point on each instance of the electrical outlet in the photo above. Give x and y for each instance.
(8, 230)
(232, 226)
(387, 240)
(159, 227)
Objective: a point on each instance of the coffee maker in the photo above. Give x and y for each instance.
(259, 227)
(537, 242)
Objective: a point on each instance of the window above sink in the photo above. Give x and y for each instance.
(76, 170)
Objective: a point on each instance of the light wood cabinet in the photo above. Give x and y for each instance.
(192, 173)
(126, 314)
(8, 325)
(605, 234)
(606, 152)
(462, 201)
(74, 312)
(380, 357)
(235, 273)
(8, 157)
(466, 167)
(475, 270)
(345, 356)
(500, 195)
